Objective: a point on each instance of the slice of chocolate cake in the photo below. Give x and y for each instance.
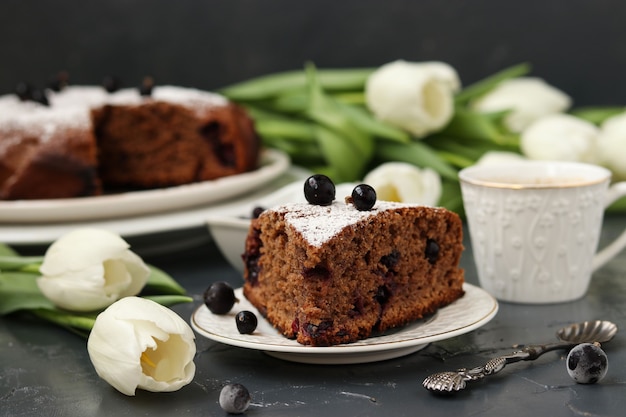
(326, 275)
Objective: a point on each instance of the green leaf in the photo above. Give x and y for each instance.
(468, 124)
(469, 149)
(160, 282)
(351, 97)
(368, 123)
(418, 154)
(597, 115)
(483, 86)
(294, 102)
(271, 85)
(329, 113)
(294, 129)
(451, 197)
(618, 206)
(455, 159)
(345, 162)
(19, 263)
(82, 321)
(19, 291)
(6, 250)
(169, 300)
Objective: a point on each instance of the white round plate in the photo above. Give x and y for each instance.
(151, 229)
(134, 203)
(468, 313)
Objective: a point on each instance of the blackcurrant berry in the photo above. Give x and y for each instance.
(432, 251)
(111, 83)
(59, 81)
(24, 91)
(587, 363)
(363, 197)
(235, 398)
(256, 212)
(219, 297)
(145, 89)
(319, 190)
(39, 96)
(246, 322)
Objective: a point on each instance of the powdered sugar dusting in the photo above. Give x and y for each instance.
(71, 106)
(42, 122)
(78, 96)
(188, 96)
(318, 224)
(11, 106)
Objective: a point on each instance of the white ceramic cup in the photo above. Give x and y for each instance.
(535, 226)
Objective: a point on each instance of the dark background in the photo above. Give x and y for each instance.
(577, 45)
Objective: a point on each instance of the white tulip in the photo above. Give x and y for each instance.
(415, 96)
(612, 145)
(138, 343)
(89, 269)
(499, 158)
(560, 137)
(528, 99)
(406, 183)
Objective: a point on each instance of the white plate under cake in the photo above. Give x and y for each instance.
(475, 309)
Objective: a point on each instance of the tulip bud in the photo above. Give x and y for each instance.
(527, 98)
(560, 137)
(417, 97)
(138, 343)
(406, 183)
(89, 269)
(499, 158)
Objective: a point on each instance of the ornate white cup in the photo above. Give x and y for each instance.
(535, 226)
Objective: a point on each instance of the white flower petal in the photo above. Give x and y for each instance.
(65, 294)
(87, 246)
(528, 98)
(137, 343)
(418, 97)
(138, 271)
(403, 182)
(88, 269)
(114, 353)
(443, 72)
(499, 158)
(560, 137)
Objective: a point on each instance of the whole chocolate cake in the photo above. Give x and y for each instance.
(86, 140)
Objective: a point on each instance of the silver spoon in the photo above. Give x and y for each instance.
(585, 332)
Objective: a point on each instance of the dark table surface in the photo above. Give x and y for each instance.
(45, 371)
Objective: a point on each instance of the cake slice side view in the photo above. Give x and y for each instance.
(326, 275)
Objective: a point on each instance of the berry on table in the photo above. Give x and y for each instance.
(246, 322)
(587, 363)
(219, 297)
(319, 190)
(234, 398)
(363, 197)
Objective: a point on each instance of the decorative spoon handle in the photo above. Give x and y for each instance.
(457, 380)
